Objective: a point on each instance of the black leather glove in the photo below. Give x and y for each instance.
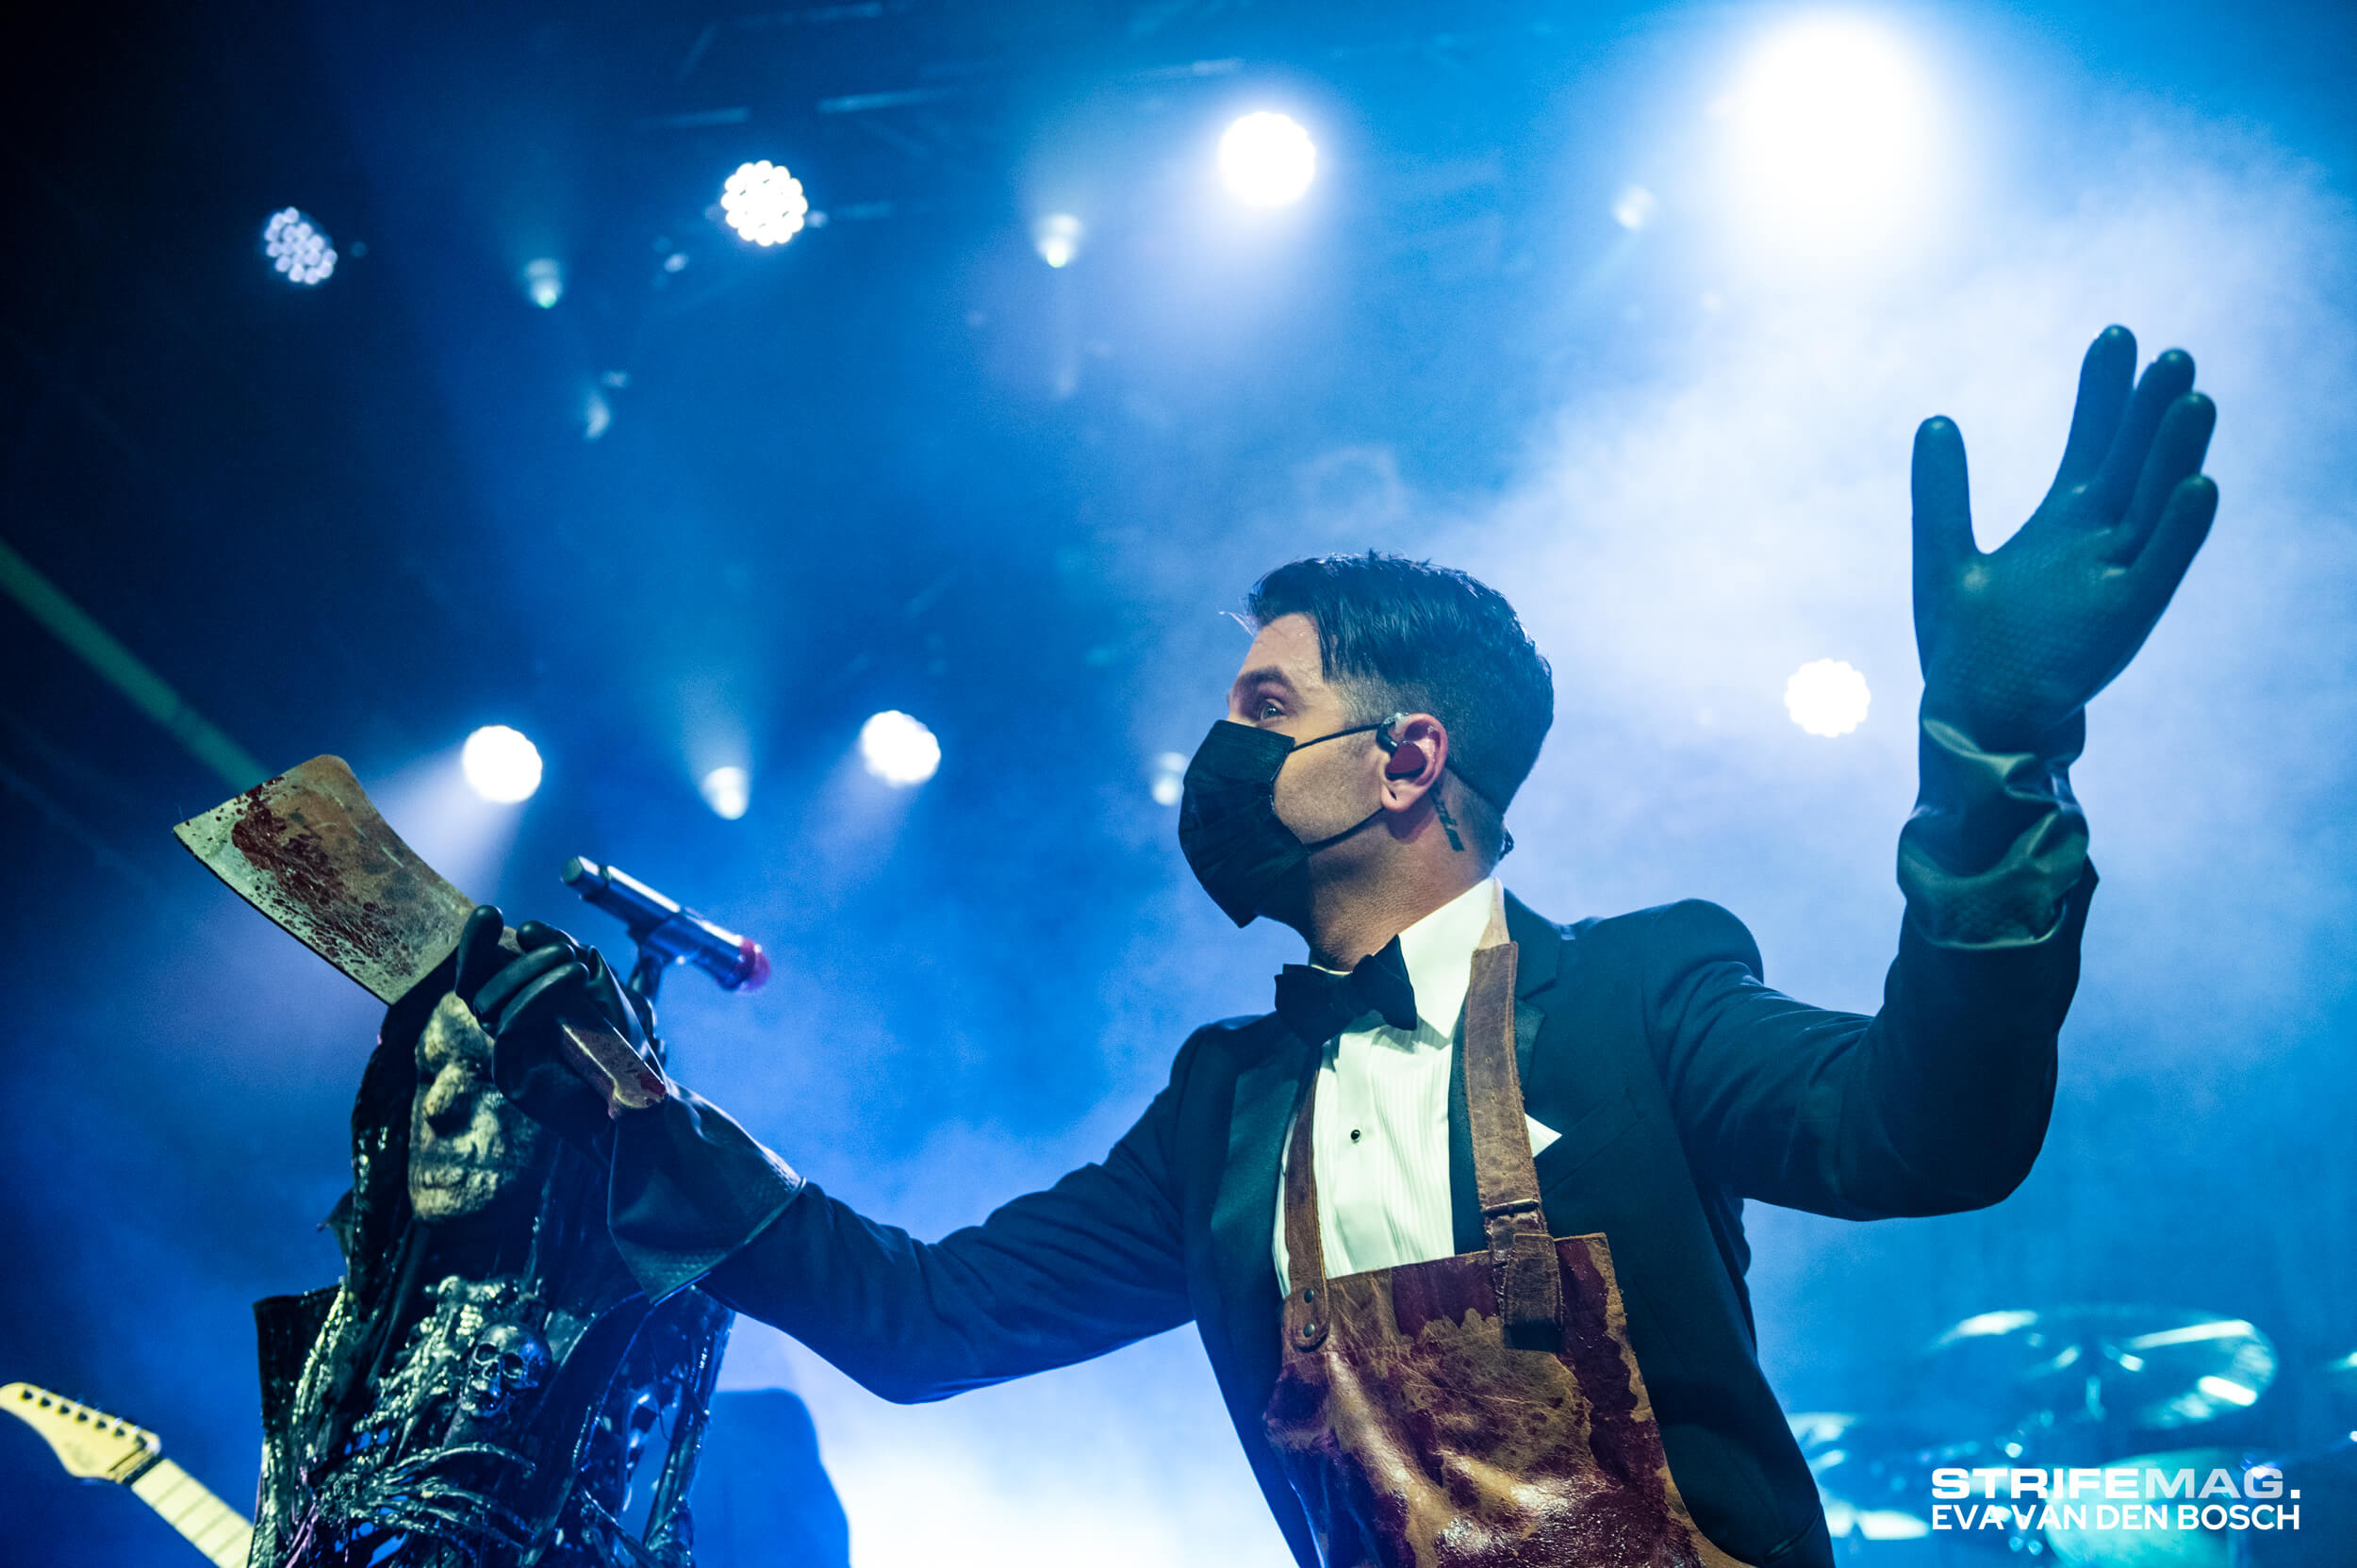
(521, 993)
(2014, 643)
(686, 1186)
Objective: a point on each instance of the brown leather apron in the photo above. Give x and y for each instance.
(1481, 1410)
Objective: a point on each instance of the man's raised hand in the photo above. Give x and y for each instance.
(2016, 641)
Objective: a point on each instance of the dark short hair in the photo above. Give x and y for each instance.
(1408, 636)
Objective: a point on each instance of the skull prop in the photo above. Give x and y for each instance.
(508, 1360)
(469, 1149)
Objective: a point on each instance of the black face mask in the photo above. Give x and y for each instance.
(1240, 850)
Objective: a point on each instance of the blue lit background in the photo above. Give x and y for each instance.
(1539, 314)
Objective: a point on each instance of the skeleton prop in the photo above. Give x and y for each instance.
(479, 1389)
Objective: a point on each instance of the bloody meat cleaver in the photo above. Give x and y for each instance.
(309, 850)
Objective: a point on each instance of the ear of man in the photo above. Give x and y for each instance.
(1416, 771)
(1417, 759)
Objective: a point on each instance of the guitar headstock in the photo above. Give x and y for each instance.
(90, 1444)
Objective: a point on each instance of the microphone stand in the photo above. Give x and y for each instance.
(670, 1539)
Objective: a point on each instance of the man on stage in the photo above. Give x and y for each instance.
(1460, 1221)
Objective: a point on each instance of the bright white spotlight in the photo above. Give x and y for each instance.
(728, 791)
(1267, 158)
(1170, 778)
(1834, 132)
(298, 248)
(1826, 697)
(501, 765)
(544, 282)
(1633, 208)
(765, 204)
(1057, 239)
(898, 750)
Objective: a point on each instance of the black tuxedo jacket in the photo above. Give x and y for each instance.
(1681, 1084)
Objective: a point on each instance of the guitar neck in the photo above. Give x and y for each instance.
(211, 1525)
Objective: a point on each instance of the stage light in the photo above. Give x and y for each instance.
(544, 282)
(1170, 778)
(501, 765)
(1826, 697)
(728, 791)
(298, 248)
(898, 750)
(1057, 239)
(1267, 158)
(1633, 208)
(1833, 134)
(765, 204)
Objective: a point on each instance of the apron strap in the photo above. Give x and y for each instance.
(1523, 1268)
(1305, 1249)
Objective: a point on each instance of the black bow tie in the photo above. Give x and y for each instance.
(1318, 1004)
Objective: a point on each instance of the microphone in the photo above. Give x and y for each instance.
(664, 928)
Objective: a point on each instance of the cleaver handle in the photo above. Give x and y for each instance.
(613, 1067)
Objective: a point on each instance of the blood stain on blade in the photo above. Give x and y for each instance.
(303, 874)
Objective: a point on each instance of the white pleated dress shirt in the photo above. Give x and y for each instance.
(1380, 1138)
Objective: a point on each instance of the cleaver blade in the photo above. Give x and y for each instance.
(309, 850)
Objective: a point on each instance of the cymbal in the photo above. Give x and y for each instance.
(2118, 1367)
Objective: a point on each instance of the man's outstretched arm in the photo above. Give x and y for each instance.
(1056, 1277)
(1052, 1278)
(1939, 1101)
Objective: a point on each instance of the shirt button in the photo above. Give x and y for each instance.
(1354, 1134)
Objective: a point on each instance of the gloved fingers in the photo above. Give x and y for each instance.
(2105, 376)
(2164, 381)
(631, 1015)
(535, 935)
(2184, 522)
(2176, 456)
(479, 953)
(548, 997)
(497, 995)
(1942, 494)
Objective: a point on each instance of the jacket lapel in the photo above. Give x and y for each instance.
(1541, 944)
(1243, 1216)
